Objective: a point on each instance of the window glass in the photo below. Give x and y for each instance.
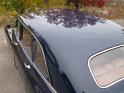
(19, 26)
(26, 41)
(40, 61)
(35, 52)
(108, 67)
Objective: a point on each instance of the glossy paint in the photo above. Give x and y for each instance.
(73, 37)
(69, 38)
(31, 79)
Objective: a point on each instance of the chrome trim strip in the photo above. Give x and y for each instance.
(41, 75)
(106, 50)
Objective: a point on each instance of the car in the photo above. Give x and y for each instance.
(67, 51)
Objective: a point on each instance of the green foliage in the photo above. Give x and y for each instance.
(22, 6)
(1, 11)
(12, 5)
(15, 7)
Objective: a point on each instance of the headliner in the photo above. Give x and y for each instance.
(73, 37)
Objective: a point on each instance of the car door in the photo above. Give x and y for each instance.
(23, 51)
(9, 30)
(32, 62)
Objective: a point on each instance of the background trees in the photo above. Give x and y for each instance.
(97, 7)
(21, 6)
(80, 3)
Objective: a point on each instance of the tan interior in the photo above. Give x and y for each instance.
(27, 40)
(40, 62)
(109, 73)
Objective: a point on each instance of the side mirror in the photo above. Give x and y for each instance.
(12, 34)
(14, 41)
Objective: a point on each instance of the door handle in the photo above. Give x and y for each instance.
(27, 65)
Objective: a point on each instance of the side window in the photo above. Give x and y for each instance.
(33, 50)
(19, 29)
(40, 61)
(26, 41)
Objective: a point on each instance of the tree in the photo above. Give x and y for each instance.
(78, 3)
(98, 3)
(10, 5)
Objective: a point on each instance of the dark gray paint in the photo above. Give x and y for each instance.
(73, 37)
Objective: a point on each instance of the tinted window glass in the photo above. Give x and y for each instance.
(19, 26)
(108, 67)
(40, 61)
(26, 41)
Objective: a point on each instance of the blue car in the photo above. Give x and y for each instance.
(68, 51)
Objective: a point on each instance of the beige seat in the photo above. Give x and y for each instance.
(109, 67)
(118, 62)
(99, 71)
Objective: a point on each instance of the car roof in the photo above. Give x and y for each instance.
(74, 24)
(74, 36)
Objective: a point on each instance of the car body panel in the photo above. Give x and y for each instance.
(69, 38)
(30, 78)
(73, 37)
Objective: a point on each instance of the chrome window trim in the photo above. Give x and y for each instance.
(29, 56)
(42, 76)
(91, 57)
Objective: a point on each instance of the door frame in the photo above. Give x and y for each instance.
(31, 63)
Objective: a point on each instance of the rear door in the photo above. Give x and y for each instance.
(32, 62)
(13, 49)
(24, 53)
